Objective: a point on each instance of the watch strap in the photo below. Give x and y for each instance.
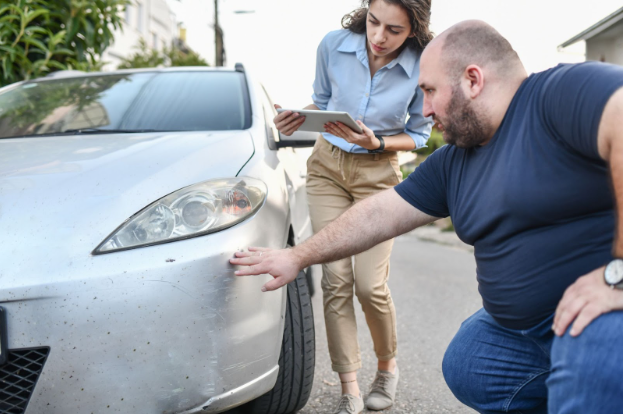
(381, 148)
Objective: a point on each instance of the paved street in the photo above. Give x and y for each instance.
(434, 289)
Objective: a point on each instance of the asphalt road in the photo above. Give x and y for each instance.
(434, 289)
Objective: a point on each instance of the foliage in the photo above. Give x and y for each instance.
(42, 36)
(435, 141)
(179, 58)
(145, 57)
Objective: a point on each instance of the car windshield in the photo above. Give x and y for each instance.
(135, 102)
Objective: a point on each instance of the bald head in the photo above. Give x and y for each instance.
(474, 42)
(469, 75)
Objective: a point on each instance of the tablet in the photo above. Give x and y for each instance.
(315, 120)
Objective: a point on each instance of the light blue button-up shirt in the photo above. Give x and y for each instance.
(381, 102)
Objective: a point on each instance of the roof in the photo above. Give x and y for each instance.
(595, 29)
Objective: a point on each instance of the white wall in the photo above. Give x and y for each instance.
(150, 19)
(606, 50)
(607, 46)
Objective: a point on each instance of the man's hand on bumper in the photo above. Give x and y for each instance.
(584, 301)
(283, 265)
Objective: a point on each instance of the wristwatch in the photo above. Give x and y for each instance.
(379, 149)
(613, 275)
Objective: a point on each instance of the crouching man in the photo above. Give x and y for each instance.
(532, 179)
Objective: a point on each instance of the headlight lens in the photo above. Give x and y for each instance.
(193, 211)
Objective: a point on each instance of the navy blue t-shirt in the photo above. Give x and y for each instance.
(536, 201)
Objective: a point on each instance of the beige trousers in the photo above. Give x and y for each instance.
(335, 181)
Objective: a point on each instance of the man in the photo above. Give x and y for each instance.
(526, 181)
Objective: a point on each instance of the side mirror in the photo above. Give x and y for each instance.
(299, 139)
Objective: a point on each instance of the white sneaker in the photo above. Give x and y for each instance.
(349, 404)
(383, 390)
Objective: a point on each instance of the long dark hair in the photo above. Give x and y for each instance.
(417, 10)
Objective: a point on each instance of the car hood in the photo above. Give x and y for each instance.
(54, 187)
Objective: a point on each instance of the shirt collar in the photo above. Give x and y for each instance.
(356, 43)
(407, 59)
(352, 42)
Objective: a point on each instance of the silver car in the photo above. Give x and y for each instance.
(122, 197)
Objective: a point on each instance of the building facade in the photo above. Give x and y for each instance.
(151, 20)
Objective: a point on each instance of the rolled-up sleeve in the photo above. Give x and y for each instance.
(322, 83)
(418, 126)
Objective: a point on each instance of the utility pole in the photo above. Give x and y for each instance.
(219, 50)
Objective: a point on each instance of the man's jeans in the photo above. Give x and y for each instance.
(497, 370)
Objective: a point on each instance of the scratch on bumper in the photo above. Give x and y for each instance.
(245, 392)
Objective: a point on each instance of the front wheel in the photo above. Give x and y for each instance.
(297, 358)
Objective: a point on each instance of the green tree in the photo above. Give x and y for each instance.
(42, 36)
(178, 57)
(145, 57)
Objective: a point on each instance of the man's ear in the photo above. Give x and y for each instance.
(474, 79)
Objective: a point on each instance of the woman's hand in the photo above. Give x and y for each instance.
(366, 140)
(288, 122)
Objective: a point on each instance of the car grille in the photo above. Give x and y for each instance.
(18, 378)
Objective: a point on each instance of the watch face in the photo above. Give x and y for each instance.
(614, 272)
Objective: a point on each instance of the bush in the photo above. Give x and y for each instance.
(435, 141)
(178, 57)
(42, 36)
(145, 57)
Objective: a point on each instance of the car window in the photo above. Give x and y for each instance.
(169, 101)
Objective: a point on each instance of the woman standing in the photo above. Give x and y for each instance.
(370, 70)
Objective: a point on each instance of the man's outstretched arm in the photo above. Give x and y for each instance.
(366, 224)
(589, 296)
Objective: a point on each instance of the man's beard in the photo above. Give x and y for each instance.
(463, 127)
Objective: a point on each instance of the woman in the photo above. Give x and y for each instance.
(370, 70)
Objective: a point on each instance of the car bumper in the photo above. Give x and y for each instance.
(161, 329)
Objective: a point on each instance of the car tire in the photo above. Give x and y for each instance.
(309, 276)
(297, 357)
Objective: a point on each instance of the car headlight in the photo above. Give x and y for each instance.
(192, 211)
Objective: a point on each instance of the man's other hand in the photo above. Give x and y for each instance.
(584, 301)
(282, 265)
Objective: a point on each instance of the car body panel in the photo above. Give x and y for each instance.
(95, 180)
(159, 329)
(170, 326)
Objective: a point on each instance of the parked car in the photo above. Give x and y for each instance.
(123, 196)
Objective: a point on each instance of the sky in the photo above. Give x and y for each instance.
(277, 41)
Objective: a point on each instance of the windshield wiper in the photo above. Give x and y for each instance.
(106, 131)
